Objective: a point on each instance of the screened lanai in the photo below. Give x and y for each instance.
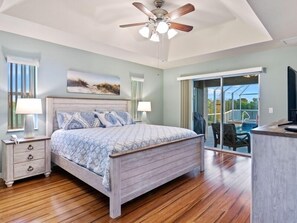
(241, 104)
(239, 107)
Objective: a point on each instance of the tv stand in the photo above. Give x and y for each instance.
(274, 165)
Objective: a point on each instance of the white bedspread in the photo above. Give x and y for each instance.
(91, 147)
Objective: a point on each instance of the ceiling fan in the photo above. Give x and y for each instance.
(160, 21)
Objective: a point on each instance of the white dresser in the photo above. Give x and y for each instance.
(28, 158)
(274, 175)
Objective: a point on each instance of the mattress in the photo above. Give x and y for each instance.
(91, 147)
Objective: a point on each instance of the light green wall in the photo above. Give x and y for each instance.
(273, 83)
(54, 63)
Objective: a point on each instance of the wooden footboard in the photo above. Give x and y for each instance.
(135, 173)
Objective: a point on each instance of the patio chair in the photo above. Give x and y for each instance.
(199, 124)
(231, 138)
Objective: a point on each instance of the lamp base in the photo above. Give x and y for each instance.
(29, 126)
(144, 117)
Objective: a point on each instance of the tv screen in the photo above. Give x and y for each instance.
(292, 108)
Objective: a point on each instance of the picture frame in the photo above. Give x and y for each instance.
(90, 83)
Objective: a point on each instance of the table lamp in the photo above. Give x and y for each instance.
(28, 107)
(144, 106)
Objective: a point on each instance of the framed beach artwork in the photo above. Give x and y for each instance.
(89, 83)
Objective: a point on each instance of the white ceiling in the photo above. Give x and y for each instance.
(221, 27)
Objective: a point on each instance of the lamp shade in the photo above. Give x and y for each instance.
(28, 106)
(144, 106)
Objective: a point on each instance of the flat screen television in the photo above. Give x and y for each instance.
(292, 95)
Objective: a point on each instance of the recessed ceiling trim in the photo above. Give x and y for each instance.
(223, 28)
(243, 11)
(290, 41)
(7, 4)
(41, 32)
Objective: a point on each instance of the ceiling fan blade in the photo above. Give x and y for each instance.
(133, 24)
(142, 8)
(181, 11)
(181, 27)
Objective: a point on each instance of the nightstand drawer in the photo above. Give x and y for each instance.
(28, 156)
(29, 168)
(30, 146)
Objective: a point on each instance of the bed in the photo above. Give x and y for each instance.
(132, 172)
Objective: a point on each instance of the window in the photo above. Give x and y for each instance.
(136, 95)
(21, 84)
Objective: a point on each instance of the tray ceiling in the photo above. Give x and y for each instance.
(93, 25)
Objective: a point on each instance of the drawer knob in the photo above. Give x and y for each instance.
(30, 168)
(30, 157)
(30, 147)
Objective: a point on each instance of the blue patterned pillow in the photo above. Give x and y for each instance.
(77, 120)
(108, 119)
(124, 117)
(101, 110)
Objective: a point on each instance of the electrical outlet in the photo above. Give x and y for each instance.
(270, 110)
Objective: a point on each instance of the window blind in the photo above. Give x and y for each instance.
(21, 84)
(136, 95)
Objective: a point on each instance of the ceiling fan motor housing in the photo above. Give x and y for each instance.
(159, 13)
(159, 3)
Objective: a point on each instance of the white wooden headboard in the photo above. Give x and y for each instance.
(54, 104)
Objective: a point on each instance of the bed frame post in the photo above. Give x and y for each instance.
(49, 116)
(115, 183)
(202, 154)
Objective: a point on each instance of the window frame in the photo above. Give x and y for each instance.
(136, 96)
(24, 69)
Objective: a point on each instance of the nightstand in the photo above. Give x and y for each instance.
(28, 158)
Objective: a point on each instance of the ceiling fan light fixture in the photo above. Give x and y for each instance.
(171, 33)
(160, 21)
(145, 32)
(155, 37)
(162, 27)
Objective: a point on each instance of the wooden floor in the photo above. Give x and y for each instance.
(221, 194)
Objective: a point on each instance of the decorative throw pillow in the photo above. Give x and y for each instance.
(101, 110)
(124, 117)
(77, 120)
(108, 119)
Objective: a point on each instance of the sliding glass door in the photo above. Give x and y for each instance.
(207, 106)
(229, 106)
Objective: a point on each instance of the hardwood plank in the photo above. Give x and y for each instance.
(192, 205)
(221, 194)
(39, 206)
(78, 215)
(65, 207)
